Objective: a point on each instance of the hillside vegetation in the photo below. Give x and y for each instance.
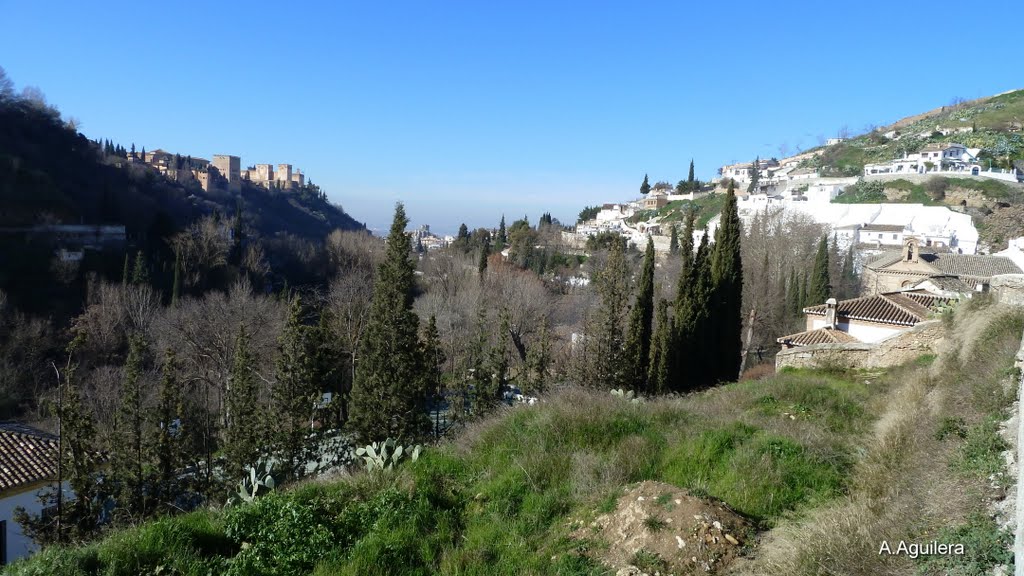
(996, 123)
(806, 455)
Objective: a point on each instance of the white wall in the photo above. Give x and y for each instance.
(864, 333)
(19, 545)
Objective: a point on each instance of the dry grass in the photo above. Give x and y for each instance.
(904, 487)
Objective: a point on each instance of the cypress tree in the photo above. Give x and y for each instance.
(295, 391)
(485, 250)
(727, 291)
(660, 355)
(673, 243)
(755, 177)
(434, 359)
(390, 388)
(792, 295)
(176, 286)
(124, 272)
(140, 273)
(638, 336)
(607, 363)
(243, 437)
(168, 432)
(849, 275)
(502, 239)
(129, 457)
(539, 358)
(819, 284)
(682, 330)
(645, 188)
(691, 182)
(802, 283)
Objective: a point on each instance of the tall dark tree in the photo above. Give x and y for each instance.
(673, 243)
(645, 188)
(434, 359)
(502, 237)
(661, 350)
(129, 456)
(849, 281)
(792, 295)
(539, 359)
(727, 291)
(243, 435)
(691, 181)
(819, 286)
(485, 251)
(638, 335)
(176, 283)
(168, 434)
(606, 362)
(755, 177)
(140, 272)
(390, 390)
(296, 391)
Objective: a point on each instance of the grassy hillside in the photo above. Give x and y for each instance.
(904, 453)
(996, 130)
(707, 206)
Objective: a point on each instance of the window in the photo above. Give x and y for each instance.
(893, 236)
(3, 542)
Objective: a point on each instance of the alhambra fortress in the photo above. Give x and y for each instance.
(224, 172)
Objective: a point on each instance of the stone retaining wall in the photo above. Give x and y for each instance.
(1008, 289)
(897, 349)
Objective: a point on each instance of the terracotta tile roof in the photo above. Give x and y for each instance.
(27, 455)
(952, 264)
(899, 308)
(819, 336)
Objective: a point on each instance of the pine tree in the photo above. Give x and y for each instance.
(755, 177)
(727, 290)
(660, 355)
(295, 392)
(502, 239)
(434, 359)
(673, 243)
(390, 389)
(638, 336)
(819, 284)
(243, 436)
(129, 458)
(645, 188)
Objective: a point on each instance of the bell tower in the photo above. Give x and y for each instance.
(911, 250)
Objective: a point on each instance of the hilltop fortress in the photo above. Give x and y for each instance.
(224, 172)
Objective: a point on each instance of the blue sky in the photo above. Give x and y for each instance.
(467, 110)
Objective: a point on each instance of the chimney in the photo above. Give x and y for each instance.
(830, 313)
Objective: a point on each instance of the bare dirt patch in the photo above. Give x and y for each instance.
(658, 528)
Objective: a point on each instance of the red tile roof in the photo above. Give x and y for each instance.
(27, 456)
(899, 308)
(819, 336)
